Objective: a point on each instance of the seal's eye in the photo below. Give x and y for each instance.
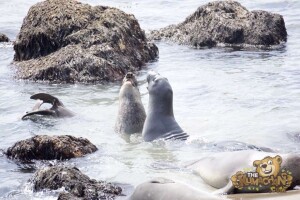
(270, 162)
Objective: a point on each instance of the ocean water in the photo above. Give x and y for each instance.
(219, 95)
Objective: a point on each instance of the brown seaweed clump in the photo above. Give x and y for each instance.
(76, 184)
(43, 147)
(226, 23)
(68, 41)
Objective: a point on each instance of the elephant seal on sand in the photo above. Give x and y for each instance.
(218, 170)
(166, 189)
(57, 110)
(131, 114)
(160, 121)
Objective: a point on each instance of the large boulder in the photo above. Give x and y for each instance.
(76, 184)
(68, 41)
(3, 38)
(226, 23)
(43, 147)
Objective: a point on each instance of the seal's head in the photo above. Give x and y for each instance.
(159, 86)
(129, 87)
(130, 79)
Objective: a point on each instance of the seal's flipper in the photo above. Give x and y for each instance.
(39, 112)
(176, 136)
(47, 98)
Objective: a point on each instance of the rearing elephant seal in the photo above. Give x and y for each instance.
(160, 121)
(131, 114)
(57, 110)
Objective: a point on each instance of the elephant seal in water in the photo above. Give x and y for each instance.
(166, 189)
(221, 170)
(131, 114)
(57, 110)
(160, 121)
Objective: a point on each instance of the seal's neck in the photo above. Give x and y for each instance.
(163, 106)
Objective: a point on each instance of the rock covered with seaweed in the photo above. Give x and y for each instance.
(68, 41)
(3, 38)
(43, 147)
(226, 23)
(76, 184)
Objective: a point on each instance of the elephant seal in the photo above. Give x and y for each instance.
(57, 110)
(166, 189)
(160, 121)
(131, 113)
(224, 170)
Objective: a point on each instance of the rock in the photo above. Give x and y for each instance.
(68, 41)
(3, 38)
(43, 147)
(78, 185)
(67, 196)
(226, 23)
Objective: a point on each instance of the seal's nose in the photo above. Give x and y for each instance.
(129, 77)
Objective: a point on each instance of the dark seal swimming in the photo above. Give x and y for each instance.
(57, 110)
(160, 121)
